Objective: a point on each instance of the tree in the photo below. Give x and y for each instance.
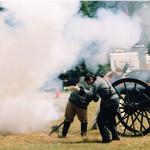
(89, 8)
(103, 69)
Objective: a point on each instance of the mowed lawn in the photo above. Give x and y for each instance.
(42, 141)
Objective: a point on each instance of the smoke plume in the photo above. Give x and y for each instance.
(40, 39)
(31, 51)
(144, 14)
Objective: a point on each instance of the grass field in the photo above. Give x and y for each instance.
(42, 141)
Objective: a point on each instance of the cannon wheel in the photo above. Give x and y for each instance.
(134, 107)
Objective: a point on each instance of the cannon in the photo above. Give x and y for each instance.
(133, 118)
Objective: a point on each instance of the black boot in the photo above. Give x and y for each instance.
(116, 138)
(112, 127)
(103, 129)
(115, 135)
(83, 128)
(65, 128)
(105, 135)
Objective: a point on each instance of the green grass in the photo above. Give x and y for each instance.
(42, 141)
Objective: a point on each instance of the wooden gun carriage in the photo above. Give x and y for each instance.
(133, 118)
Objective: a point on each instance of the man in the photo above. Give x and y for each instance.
(108, 109)
(77, 105)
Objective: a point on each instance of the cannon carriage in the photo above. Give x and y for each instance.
(133, 118)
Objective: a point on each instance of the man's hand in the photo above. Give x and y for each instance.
(76, 88)
(81, 91)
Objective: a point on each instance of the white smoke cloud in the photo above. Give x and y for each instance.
(40, 39)
(108, 31)
(31, 51)
(35, 42)
(28, 113)
(144, 14)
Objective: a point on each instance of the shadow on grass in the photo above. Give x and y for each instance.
(82, 142)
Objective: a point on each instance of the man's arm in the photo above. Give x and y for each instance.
(95, 98)
(91, 92)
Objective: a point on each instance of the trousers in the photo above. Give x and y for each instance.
(106, 119)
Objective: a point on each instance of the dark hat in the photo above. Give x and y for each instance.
(89, 75)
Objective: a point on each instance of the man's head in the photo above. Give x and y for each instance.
(89, 78)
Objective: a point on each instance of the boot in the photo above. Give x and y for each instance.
(65, 128)
(104, 133)
(83, 128)
(116, 138)
(115, 135)
(113, 129)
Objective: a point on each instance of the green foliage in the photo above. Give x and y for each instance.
(71, 77)
(103, 69)
(82, 69)
(89, 8)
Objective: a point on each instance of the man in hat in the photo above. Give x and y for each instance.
(109, 106)
(77, 105)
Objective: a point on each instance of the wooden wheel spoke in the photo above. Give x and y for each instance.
(126, 91)
(142, 114)
(127, 119)
(126, 123)
(148, 119)
(135, 86)
(117, 123)
(120, 96)
(124, 116)
(121, 107)
(136, 116)
(124, 131)
(141, 122)
(122, 104)
(134, 119)
(134, 106)
(148, 111)
(122, 112)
